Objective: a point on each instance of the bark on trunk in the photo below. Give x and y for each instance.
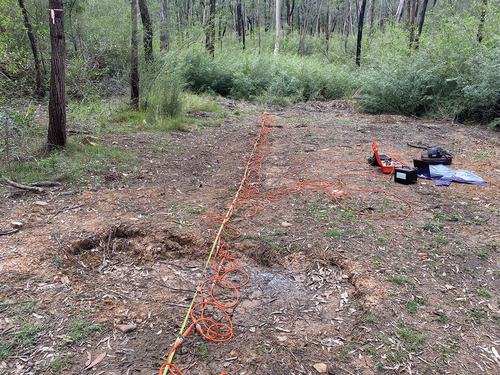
(34, 50)
(148, 31)
(278, 17)
(56, 137)
(134, 59)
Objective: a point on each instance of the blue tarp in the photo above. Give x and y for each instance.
(444, 176)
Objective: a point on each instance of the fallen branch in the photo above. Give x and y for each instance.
(416, 146)
(7, 232)
(46, 183)
(21, 186)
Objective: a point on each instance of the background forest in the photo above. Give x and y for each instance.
(437, 59)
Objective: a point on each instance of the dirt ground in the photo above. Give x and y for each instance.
(329, 290)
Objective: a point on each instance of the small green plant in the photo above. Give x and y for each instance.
(443, 318)
(78, 329)
(58, 365)
(342, 355)
(441, 240)
(493, 245)
(411, 307)
(370, 319)
(412, 338)
(478, 315)
(203, 351)
(483, 293)
(5, 351)
(398, 280)
(27, 334)
(335, 233)
(482, 255)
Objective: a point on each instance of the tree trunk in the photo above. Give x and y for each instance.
(36, 60)
(307, 14)
(327, 28)
(278, 17)
(56, 137)
(134, 59)
(345, 26)
(372, 15)
(211, 29)
(164, 28)
(421, 22)
(316, 32)
(360, 32)
(258, 21)
(482, 18)
(148, 31)
(399, 12)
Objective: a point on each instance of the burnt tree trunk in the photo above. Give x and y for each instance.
(34, 49)
(56, 137)
(360, 32)
(148, 31)
(134, 59)
(421, 22)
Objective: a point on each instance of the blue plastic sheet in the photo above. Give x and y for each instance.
(444, 176)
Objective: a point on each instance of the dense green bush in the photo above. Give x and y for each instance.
(264, 77)
(450, 75)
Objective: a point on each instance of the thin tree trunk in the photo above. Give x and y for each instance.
(69, 11)
(278, 17)
(360, 32)
(134, 59)
(34, 50)
(345, 27)
(421, 22)
(258, 21)
(148, 31)
(372, 15)
(482, 18)
(316, 32)
(327, 30)
(306, 26)
(56, 137)
(211, 29)
(399, 12)
(414, 13)
(163, 25)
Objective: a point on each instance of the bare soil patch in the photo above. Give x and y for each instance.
(360, 294)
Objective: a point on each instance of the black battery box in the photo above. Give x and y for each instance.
(405, 175)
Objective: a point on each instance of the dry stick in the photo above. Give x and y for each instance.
(7, 232)
(46, 183)
(21, 186)
(417, 146)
